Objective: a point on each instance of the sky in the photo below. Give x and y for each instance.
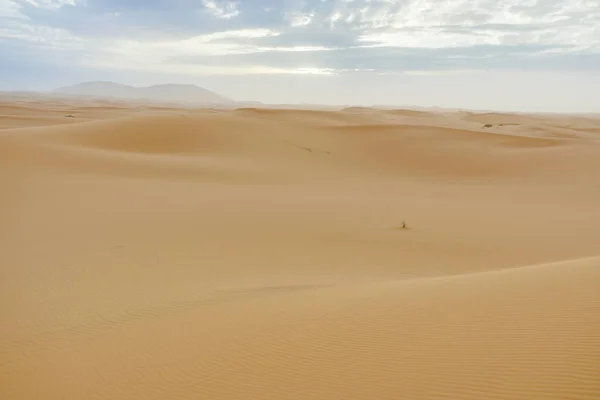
(519, 55)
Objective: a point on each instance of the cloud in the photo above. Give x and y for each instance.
(297, 19)
(221, 9)
(9, 9)
(52, 4)
(324, 37)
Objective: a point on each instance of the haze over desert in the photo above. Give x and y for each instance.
(179, 253)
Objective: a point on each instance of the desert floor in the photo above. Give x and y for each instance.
(164, 254)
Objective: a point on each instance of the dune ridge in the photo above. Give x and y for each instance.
(164, 253)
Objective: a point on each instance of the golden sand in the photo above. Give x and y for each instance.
(160, 253)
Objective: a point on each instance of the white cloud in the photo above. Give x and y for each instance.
(457, 72)
(53, 4)
(155, 59)
(554, 26)
(334, 18)
(313, 71)
(297, 19)
(242, 33)
(221, 9)
(9, 9)
(293, 49)
(433, 24)
(163, 55)
(432, 38)
(18, 27)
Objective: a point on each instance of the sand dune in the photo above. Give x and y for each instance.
(163, 253)
(411, 113)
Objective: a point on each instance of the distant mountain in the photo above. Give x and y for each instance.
(164, 93)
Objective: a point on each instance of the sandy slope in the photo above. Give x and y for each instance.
(256, 254)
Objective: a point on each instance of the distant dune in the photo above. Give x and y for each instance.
(152, 252)
(167, 93)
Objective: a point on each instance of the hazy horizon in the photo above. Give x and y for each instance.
(534, 56)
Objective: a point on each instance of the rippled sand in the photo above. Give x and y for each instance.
(161, 253)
